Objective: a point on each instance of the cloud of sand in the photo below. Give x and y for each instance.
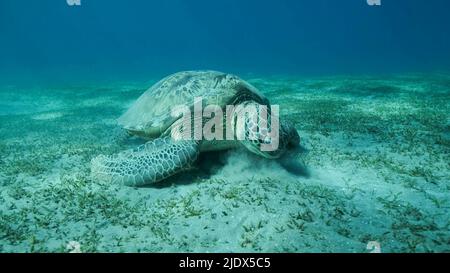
(243, 165)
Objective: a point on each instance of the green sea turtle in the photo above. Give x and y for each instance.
(163, 155)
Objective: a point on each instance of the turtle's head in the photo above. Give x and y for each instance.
(289, 138)
(292, 149)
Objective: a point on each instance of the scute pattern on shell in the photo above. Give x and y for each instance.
(151, 113)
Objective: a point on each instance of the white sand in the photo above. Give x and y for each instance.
(378, 167)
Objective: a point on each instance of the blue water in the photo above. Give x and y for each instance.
(116, 39)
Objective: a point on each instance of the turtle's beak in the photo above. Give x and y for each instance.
(292, 161)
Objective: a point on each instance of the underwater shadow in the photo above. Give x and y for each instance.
(208, 164)
(298, 169)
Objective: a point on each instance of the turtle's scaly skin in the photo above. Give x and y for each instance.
(153, 161)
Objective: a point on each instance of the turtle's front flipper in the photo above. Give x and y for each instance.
(147, 164)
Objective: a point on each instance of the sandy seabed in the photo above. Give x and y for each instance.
(378, 161)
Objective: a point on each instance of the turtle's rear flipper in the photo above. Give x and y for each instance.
(147, 164)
